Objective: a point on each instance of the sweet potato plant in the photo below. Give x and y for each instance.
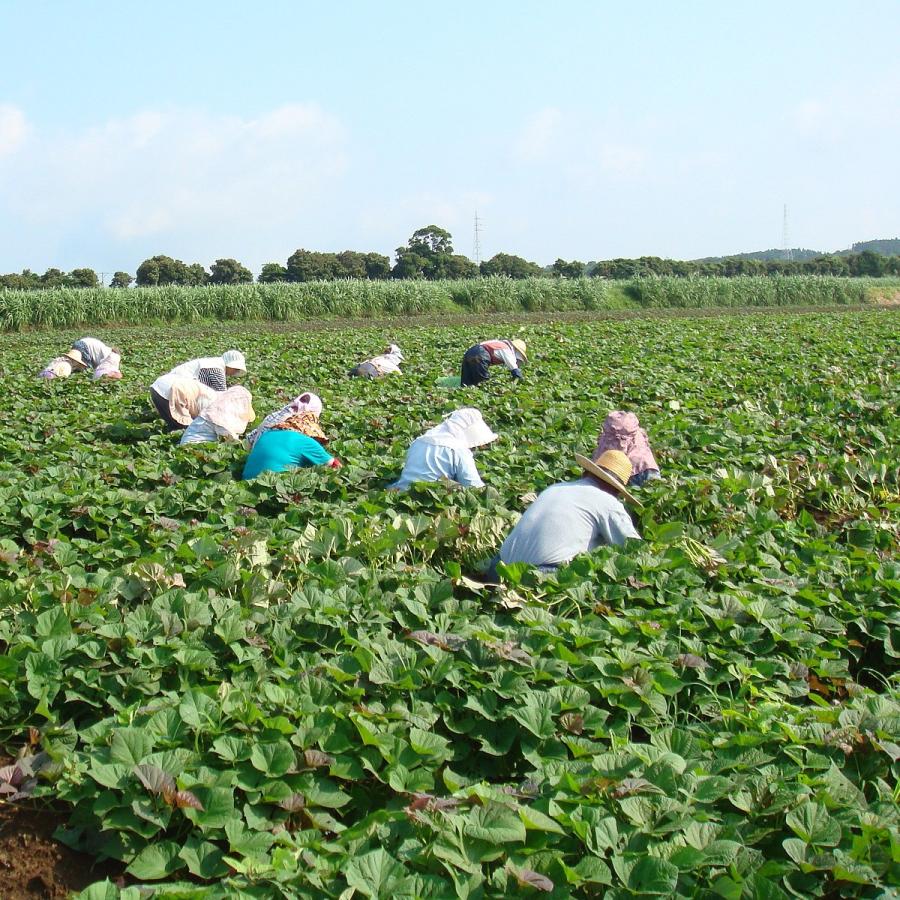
(298, 687)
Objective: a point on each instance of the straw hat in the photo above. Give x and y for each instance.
(613, 468)
(75, 356)
(521, 346)
(234, 359)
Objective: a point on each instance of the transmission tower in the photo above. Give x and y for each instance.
(476, 243)
(786, 251)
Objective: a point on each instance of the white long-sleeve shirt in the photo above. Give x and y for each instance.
(208, 370)
(93, 351)
(387, 363)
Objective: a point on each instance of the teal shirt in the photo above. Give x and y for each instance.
(278, 451)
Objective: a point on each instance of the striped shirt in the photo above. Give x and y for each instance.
(208, 370)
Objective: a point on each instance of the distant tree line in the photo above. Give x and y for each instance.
(428, 255)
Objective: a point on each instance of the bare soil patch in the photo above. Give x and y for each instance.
(34, 866)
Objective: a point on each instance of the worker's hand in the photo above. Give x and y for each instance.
(516, 373)
(335, 464)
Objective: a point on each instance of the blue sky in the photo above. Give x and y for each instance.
(584, 130)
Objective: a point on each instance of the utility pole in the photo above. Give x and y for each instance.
(476, 244)
(786, 252)
(103, 278)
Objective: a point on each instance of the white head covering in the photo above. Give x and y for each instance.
(234, 359)
(230, 411)
(394, 350)
(57, 368)
(306, 402)
(462, 429)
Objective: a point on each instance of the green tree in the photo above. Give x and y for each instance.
(458, 266)
(427, 254)
(121, 280)
(308, 265)
(350, 264)
(563, 269)
(271, 273)
(378, 266)
(229, 271)
(53, 278)
(159, 270)
(196, 274)
(510, 266)
(867, 263)
(83, 278)
(27, 281)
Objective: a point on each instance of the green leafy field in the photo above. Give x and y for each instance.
(292, 687)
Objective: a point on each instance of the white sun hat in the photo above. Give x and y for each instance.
(234, 359)
(463, 428)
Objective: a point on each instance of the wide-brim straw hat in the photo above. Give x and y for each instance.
(521, 346)
(612, 468)
(75, 356)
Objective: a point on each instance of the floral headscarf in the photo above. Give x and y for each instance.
(304, 423)
(622, 431)
(305, 402)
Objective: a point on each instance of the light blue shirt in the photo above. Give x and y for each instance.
(565, 520)
(428, 462)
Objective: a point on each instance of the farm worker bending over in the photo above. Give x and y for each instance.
(478, 360)
(100, 357)
(294, 443)
(622, 431)
(386, 364)
(213, 371)
(225, 416)
(188, 382)
(179, 400)
(573, 517)
(306, 402)
(63, 366)
(445, 451)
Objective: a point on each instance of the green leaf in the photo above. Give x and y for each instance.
(812, 823)
(376, 874)
(130, 745)
(205, 860)
(496, 824)
(156, 861)
(654, 877)
(274, 759)
(534, 713)
(218, 808)
(534, 820)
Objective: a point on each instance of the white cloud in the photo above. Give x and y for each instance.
(624, 160)
(176, 172)
(540, 134)
(13, 129)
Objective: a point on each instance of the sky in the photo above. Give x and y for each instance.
(581, 130)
